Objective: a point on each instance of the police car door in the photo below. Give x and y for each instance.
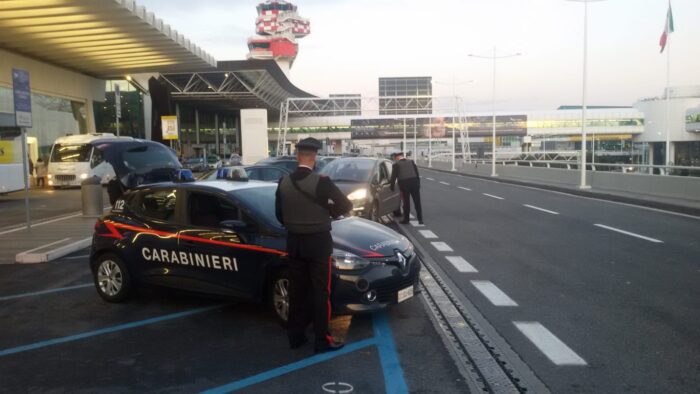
(390, 199)
(213, 253)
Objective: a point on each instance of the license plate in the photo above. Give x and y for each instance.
(405, 294)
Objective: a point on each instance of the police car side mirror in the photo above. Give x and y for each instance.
(234, 225)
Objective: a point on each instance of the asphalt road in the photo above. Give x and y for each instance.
(597, 297)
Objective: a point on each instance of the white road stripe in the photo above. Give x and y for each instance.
(442, 247)
(552, 347)
(415, 223)
(410, 215)
(461, 264)
(445, 183)
(493, 293)
(427, 234)
(41, 223)
(430, 179)
(465, 188)
(492, 196)
(46, 245)
(629, 233)
(541, 209)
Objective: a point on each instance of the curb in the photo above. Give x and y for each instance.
(31, 257)
(590, 194)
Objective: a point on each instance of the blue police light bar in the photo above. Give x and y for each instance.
(184, 175)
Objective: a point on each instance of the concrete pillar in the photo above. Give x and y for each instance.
(196, 125)
(147, 116)
(90, 117)
(216, 133)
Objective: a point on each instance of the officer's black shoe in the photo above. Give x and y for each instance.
(420, 221)
(297, 343)
(397, 214)
(328, 347)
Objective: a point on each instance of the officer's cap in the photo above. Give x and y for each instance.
(399, 153)
(309, 144)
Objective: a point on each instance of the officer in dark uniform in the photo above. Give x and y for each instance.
(406, 172)
(302, 206)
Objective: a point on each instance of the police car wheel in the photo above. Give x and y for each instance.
(279, 296)
(112, 279)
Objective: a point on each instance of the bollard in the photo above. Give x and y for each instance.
(91, 191)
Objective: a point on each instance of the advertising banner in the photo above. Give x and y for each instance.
(169, 126)
(437, 127)
(7, 154)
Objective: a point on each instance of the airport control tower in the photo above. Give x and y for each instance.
(277, 26)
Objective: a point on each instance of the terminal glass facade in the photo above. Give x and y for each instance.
(405, 87)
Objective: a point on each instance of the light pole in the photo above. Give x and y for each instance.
(456, 107)
(493, 58)
(584, 117)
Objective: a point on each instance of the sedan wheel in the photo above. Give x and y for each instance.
(280, 298)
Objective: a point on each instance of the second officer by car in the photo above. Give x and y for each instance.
(406, 172)
(302, 206)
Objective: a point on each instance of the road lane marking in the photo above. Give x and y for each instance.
(493, 293)
(41, 223)
(492, 196)
(442, 247)
(430, 179)
(445, 183)
(41, 292)
(410, 215)
(541, 209)
(46, 245)
(629, 233)
(427, 234)
(461, 264)
(107, 330)
(415, 223)
(464, 188)
(552, 347)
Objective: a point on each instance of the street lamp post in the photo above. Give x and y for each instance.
(454, 84)
(584, 117)
(493, 58)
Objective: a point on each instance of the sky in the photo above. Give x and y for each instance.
(353, 42)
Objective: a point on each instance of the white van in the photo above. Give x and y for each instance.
(75, 158)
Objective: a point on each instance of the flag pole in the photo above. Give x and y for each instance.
(668, 101)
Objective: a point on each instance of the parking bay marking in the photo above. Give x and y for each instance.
(48, 291)
(552, 347)
(461, 264)
(415, 223)
(445, 183)
(430, 179)
(107, 330)
(492, 196)
(442, 247)
(541, 209)
(427, 234)
(464, 188)
(629, 233)
(493, 293)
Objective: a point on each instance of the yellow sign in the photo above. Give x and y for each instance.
(7, 155)
(169, 126)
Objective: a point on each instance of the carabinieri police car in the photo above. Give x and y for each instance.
(222, 237)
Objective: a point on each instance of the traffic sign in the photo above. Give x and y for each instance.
(23, 98)
(169, 126)
(118, 101)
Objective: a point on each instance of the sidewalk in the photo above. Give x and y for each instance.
(550, 179)
(46, 240)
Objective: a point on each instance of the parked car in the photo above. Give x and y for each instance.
(365, 180)
(254, 172)
(233, 160)
(288, 162)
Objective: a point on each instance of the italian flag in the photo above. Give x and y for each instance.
(668, 29)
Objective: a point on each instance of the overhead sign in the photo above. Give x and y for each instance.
(118, 101)
(23, 98)
(436, 127)
(169, 126)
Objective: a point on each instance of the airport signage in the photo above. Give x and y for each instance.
(22, 97)
(169, 127)
(118, 101)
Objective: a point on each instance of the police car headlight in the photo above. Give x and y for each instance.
(347, 261)
(359, 194)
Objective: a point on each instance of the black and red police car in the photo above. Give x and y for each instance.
(222, 238)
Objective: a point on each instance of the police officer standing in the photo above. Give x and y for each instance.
(406, 172)
(302, 206)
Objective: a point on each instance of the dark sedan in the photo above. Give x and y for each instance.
(365, 180)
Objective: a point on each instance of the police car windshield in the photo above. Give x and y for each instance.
(349, 170)
(260, 200)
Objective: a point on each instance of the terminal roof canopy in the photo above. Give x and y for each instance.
(233, 85)
(102, 38)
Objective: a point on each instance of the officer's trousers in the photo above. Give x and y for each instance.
(410, 188)
(310, 285)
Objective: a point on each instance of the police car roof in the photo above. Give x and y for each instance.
(222, 185)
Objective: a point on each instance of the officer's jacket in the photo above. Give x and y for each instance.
(403, 170)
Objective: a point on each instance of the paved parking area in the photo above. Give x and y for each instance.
(58, 335)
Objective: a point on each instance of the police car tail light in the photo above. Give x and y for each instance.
(344, 260)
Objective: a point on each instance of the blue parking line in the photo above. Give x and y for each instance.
(107, 330)
(285, 369)
(393, 374)
(41, 292)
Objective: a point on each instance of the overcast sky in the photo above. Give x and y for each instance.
(353, 42)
